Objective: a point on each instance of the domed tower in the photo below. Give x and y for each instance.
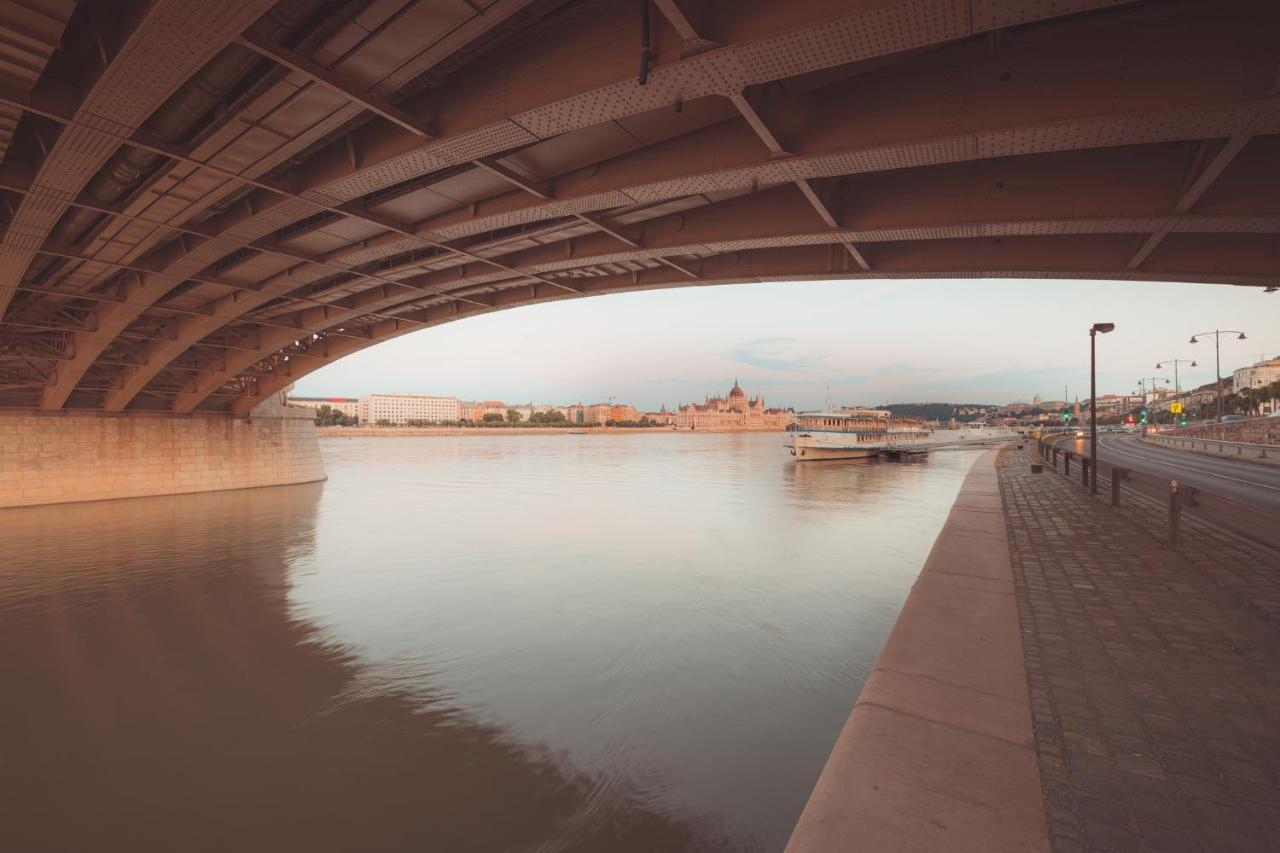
(737, 397)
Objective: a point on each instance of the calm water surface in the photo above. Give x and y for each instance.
(531, 643)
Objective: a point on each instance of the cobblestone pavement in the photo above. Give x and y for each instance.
(1154, 674)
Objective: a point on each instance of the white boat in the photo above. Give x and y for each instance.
(861, 433)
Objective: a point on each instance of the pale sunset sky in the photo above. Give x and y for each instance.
(971, 341)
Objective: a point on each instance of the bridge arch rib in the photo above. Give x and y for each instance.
(357, 178)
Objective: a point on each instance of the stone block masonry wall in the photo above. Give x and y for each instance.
(61, 457)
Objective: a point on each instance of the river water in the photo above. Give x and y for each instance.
(642, 642)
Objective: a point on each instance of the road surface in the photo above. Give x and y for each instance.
(1249, 483)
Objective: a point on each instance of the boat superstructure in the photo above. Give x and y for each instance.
(854, 433)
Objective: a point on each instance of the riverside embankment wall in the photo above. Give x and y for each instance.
(62, 457)
(938, 753)
(384, 432)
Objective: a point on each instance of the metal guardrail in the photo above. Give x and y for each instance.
(1267, 453)
(1239, 518)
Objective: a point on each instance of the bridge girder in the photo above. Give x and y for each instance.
(357, 187)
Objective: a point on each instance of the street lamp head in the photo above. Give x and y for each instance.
(1103, 327)
(1193, 364)
(1242, 337)
(1159, 366)
(1193, 340)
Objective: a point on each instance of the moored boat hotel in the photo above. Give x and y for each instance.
(855, 433)
(852, 433)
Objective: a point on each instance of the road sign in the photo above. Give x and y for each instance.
(1175, 408)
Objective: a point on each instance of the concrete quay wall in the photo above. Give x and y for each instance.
(939, 753)
(63, 457)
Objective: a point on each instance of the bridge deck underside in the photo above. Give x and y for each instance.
(205, 202)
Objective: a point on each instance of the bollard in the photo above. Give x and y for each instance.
(1116, 474)
(1175, 511)
(1085, 464)
(1066, 463)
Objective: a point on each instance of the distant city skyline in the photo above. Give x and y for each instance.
(960, 341)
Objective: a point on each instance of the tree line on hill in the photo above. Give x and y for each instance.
(940, 411)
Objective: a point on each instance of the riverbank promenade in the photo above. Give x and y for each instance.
(1063, 679)
(1153, 671)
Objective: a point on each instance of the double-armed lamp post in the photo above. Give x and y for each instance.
(1093, 401)
(1177, 386)
(1217, 355)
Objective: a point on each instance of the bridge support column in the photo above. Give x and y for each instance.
(61, 457)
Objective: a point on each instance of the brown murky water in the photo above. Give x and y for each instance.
(505, 643)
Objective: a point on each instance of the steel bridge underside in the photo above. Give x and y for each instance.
(204, 201)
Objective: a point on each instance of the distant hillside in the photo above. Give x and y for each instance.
(940, 411)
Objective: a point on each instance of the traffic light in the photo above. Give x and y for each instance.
(1182, 421)
(1066, 415)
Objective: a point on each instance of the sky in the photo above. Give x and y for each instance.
(870, 342)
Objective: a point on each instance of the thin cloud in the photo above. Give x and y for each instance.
(905, 370)
(777, 355)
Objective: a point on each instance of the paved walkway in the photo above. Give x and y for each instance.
(1154, 673)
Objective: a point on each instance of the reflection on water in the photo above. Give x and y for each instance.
(548, 643)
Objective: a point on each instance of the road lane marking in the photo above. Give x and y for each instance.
(1175, 465)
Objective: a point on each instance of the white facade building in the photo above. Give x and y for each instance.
(349, 406)
(1257, 375)
(1119, 404)
(399, 408)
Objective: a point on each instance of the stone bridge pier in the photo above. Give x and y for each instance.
(78, 455)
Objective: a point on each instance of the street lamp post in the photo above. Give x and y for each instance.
(1217, 356)
(1151, 389)
(1177, 385)
(1093, 401)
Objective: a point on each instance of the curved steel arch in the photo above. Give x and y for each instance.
(803, 264)
(368, 179)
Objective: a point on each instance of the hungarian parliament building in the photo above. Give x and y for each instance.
(732, 412)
